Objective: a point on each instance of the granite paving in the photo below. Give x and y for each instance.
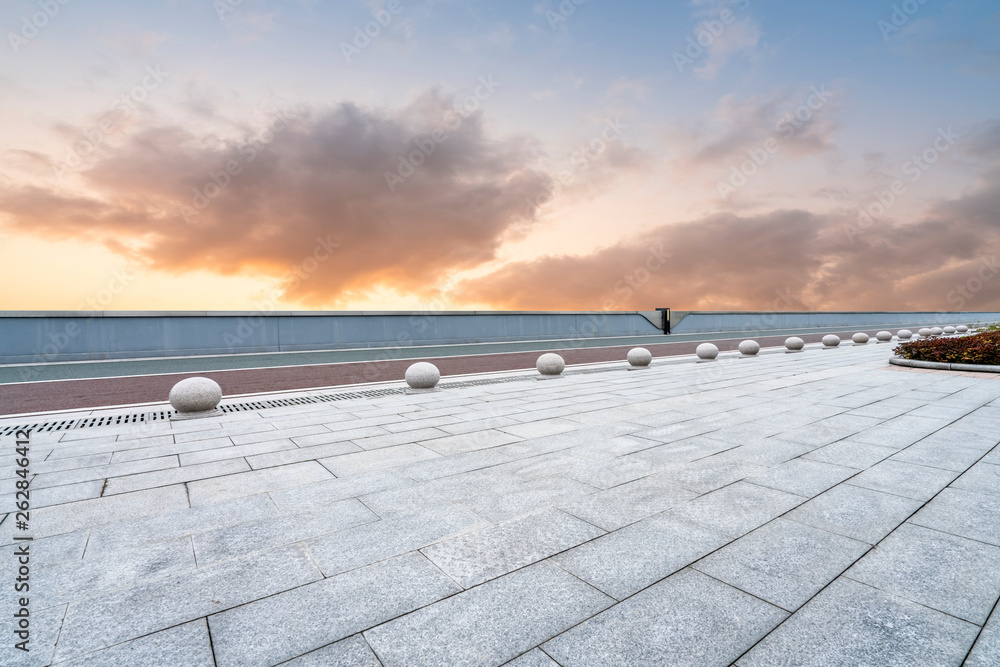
(818, 508)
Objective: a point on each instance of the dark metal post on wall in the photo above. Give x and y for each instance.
(666, 319)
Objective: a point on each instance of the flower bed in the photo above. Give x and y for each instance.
(981, 348)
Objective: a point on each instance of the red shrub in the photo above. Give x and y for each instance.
(981, 348)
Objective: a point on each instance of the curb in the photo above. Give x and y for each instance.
(941, 366)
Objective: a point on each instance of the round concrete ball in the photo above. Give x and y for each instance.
(924, 333)
(950, 330)
(904, 334)
(961, 328)
(749, 347)
(639, 356)
(831, 340)
(707, 351)
(884, 336)
(550, 363)
(794, 343)
(422, 375)
(936, 331)
(195, 395)
(860, 338)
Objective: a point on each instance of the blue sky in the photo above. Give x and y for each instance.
(591, 111)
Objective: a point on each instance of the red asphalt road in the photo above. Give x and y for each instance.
(32, 397)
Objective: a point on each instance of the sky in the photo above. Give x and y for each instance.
(519, 155)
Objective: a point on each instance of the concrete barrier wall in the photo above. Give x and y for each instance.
(712, 322)
(59, 336)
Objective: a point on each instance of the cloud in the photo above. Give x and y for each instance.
(314, 177)
(793, 258)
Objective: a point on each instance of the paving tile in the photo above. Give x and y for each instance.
(376, 459)
(108, 539)
(79, 579)
(481, 555)
(402, 438)
(980, 478)
(44, 628)
(803, 477)
(149, 480)
(764, 451)
(453, 465)
(186, 644)
(986, 649)
(318, 494)
(667, 625)
(855, 512)
(489, 624)
(736, 509)
(422, 496)
(99, 622)
(952, 574)
(705, 475)
(338, 435)
(625, 504)
(70, 517)
(91, 473)
(850, 624)
(526, 498)
(963, 513)
(248, 537)
(325, 611)
(886, 436)
(851, 453)
(534, 658)
(57, 465)
(470, 442)
(903, 479)
(229, 487)
(238, 451)
(299, 454)
(370, 543)
(59, 548)
(630, 559)
(351, 652)
(249, 438)
(783, 562)
(170, 449)
(683, 451)
(939, 455)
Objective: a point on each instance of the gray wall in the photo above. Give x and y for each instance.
(710, 322)
(33, 337)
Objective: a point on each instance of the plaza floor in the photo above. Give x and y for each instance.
(813, 508)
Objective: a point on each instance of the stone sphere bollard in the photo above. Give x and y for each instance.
(936, 331)
(422, 376)
(707, 351)
(883, 336)
(550, 365)
(860, 338)
(794, 344)
(749, 347)
(904, 334)
(950, 330)
(924, 333)
(961, 328)
(639, 357)
(831, 340)
(195, 397)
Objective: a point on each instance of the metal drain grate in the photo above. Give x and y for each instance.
(164, 415)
